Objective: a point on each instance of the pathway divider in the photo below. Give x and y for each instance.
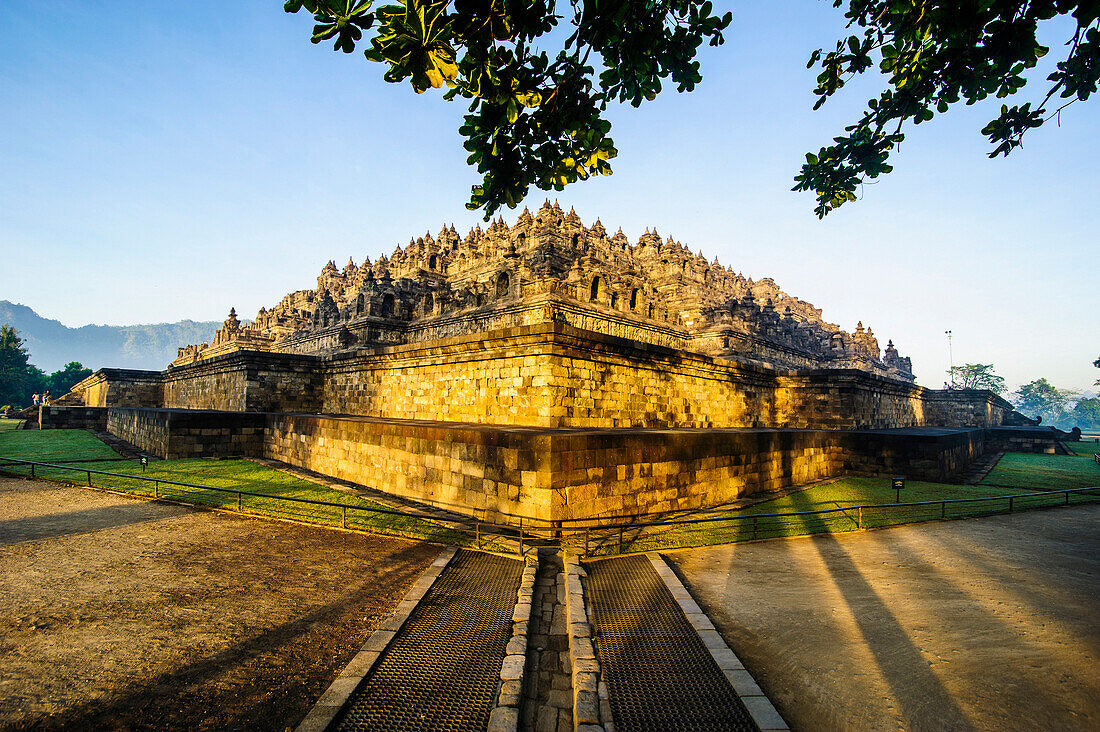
(591, 708)
(752, 696)
(505, 714)
(337, 694)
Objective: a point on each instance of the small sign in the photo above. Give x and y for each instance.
(899, 483)
(144, 462)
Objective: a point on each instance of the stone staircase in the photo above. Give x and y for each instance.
(981, 468)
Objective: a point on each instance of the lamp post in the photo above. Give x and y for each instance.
(950, 359)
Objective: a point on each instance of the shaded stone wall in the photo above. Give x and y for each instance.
(1027, 439)
(924, 454)
(246, 381)
(176, 434)
(961, 407)
(72, 418)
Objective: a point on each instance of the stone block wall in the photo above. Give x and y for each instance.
(503, 473)
(246, 381)
(965, 407)
(930, 455)
(552, 375)
(72, 418)
(175, 434)
(622, 473)
(503, 378)
(490, 473)
(1026, 439)
(121, 388)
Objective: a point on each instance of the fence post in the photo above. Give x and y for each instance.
(943, 510)
(521, 536)
(586, 541)
(477, 533)
(620, 540)
(238, 501)
(156, 489)
(343, 517)
(1010, 504)
(32, 470)
(89, 479)
(753, 527)
(1067, 498)
(859, 521)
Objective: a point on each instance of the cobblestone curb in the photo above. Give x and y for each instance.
(753, 697)
(330, 703)
(505, 714)
(591, 707)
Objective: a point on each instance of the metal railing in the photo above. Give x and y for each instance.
(605, 534)
(859, 516)
(483, 534)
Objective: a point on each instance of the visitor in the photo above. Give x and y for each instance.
(46, 398)
(35, 398)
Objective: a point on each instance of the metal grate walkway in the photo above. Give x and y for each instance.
(441, 671)
(659, 674)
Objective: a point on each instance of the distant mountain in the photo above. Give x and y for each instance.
(51, 345)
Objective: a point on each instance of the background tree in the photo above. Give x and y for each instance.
(13, 368)
(1040, 398)
(537, 118)
(977, 376)
(61, 382)
(1087, 414)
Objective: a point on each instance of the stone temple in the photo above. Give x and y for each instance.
(549, 371)
(551, 268)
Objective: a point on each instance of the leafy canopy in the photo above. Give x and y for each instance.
(1042, 399)
(535, 116)
(13, 366)
(935, 54)
(977, 376)
(61, 382)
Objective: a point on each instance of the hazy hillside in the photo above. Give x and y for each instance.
(51, 345)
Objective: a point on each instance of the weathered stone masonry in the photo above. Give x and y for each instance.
(548, 370)
(552, 375)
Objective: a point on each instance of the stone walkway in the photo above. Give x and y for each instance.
(548, 695)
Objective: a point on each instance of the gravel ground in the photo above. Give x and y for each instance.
(127, 614)
(989, 623)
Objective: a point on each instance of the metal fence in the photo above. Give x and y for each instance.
(464, 531)
(589, 537)
(636, 536)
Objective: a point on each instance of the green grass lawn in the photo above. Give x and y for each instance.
(1030, 473)
(1087, 446)
(1045, 472)
(51, 445)
(243, 475)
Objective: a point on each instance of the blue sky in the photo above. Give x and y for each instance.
(162, 161)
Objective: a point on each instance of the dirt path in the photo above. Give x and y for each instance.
(989, 623)
(125, 614)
